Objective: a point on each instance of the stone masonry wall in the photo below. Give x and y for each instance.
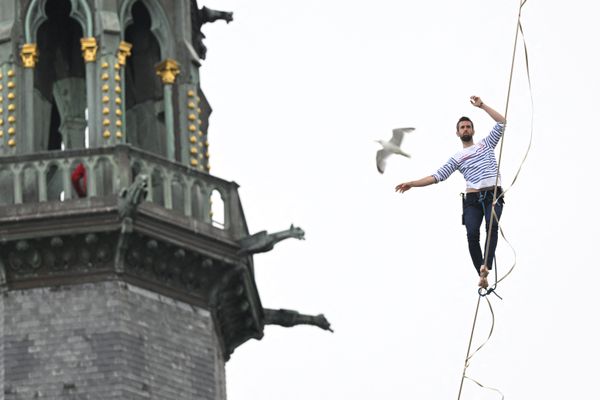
(107, 340)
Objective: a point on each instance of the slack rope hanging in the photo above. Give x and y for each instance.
(493, 216)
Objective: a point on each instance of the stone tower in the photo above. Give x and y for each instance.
(126, 269)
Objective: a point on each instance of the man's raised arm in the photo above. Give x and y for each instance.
(496, 116)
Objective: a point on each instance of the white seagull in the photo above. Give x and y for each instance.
(391, 147)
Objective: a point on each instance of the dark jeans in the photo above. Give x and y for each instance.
(476, 206)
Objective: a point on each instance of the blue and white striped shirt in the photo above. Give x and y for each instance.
(477, 163)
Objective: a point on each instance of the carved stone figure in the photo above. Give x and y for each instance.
(262, 241)
(199, 18)
(290, 318)
(129, 200)
(131, 197)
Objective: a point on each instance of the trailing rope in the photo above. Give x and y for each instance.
(495, 198)
(471, 355)
(526, 152)
(493, 216)
(467, 358)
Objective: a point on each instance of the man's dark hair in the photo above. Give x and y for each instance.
(465, 119)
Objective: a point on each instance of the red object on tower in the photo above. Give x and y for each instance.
(79, 180)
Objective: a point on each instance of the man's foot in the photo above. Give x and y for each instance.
(483, 282)
(484, 271)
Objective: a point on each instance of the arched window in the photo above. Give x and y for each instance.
(217, 209)
(59, 80)
(144, 106)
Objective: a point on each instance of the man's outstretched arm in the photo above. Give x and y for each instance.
(403, 187)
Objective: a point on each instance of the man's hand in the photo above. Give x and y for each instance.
(426, 181)
(476, 101)
(403, 187)
(496, 116)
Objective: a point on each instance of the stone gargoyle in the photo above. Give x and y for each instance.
(262, 241)
(290, 318)
(129, 200)
(201, 16)
(131, 197)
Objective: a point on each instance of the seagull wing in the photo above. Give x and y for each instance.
(380, 158)
(398, 135)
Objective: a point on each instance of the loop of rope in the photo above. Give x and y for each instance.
(471, 355)
(469, 348)
(491, 290)
(489, 334)
(486, 387)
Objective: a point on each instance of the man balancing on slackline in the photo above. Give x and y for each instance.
(477, 163)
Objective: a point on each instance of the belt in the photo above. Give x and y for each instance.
(483, 193)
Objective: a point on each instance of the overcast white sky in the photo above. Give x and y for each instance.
(301, 89)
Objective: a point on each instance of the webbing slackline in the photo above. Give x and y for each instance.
(493, 216)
